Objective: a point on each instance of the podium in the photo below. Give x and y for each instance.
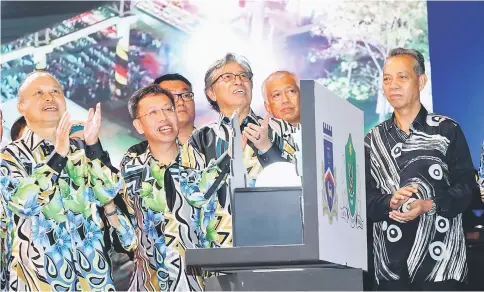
(302, 238)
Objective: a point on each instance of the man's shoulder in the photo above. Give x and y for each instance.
(138, 149)
(438, 120)
(14, 146)
(203, 133)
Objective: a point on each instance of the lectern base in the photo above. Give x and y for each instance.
(307, 279)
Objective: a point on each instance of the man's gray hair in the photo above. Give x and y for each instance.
(419, 67)
(277, 74)
(210, 75)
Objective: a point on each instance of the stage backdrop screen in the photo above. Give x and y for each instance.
(340, 43)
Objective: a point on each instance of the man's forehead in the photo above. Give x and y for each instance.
(231, 67)
(400, 63)
(38, 79)
(173, 85)
(154, 99)
(283, 80)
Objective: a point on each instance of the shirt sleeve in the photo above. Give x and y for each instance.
(455, 200)
(103, 179)
(29, 191)
(108, 184)
(377, 204)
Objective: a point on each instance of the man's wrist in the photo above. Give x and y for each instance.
(92, 142)
(265, 148)
(429, 206)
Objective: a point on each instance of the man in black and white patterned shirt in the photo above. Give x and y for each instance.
(420, 178)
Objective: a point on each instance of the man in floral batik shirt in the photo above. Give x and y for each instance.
(172, 206)
(4, 251)
(56, 186)
(228, 87)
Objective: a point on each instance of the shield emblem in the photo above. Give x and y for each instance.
(350, 157)
(329, 189)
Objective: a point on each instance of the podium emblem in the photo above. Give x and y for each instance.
(350, 212)
(330, 199)
(350, 161)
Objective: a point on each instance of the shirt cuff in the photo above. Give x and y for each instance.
(224, 163)
(94, 151)
(274, 154)
(57, 162)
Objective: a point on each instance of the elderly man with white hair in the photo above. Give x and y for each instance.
(281, 96)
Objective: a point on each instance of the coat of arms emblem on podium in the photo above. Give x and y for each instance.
(330, 199)
(350, 213)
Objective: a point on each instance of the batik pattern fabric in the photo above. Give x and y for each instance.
(172, 208)
(56, 208)
(211, 141)
(5, 234)
(436, 158)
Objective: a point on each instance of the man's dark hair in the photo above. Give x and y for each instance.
(172, 77)
(138, 95)
(17, 127)
(419, 67)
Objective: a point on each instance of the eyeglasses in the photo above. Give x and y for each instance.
(187, 96)
(229, 77)
(154, 113)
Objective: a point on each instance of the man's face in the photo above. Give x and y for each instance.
(283, 98)
(41, 99)
(185, 105)
(229, 91)
(401, 84)
(157, 119)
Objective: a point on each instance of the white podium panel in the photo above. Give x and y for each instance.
(324, 222)
(339, 132)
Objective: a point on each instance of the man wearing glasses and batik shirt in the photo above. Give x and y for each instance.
(228, 88)
(181, 89)
(172, 207)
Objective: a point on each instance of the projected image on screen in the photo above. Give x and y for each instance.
(101, 57)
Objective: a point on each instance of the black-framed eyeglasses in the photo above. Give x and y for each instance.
(229, 77)
(169, 111)
(186, 96)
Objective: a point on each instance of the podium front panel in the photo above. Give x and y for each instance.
(333, 197)
(337, 170)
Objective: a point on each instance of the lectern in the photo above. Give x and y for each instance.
(302, 238)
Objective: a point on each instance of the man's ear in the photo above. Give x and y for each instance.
(211, 94)
(422, 80)
(137, 126)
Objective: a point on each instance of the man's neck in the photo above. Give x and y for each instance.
(46, 132)
(185, 132)
(164, 152)
(404, 117)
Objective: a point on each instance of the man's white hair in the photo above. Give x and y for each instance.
(277, 74)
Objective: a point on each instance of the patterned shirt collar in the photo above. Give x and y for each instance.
(251, 118)
(418, 123)
(33, 141)
(147, 156)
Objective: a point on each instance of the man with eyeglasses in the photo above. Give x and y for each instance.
(181, 89)
(228, 88)
(171, 206)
